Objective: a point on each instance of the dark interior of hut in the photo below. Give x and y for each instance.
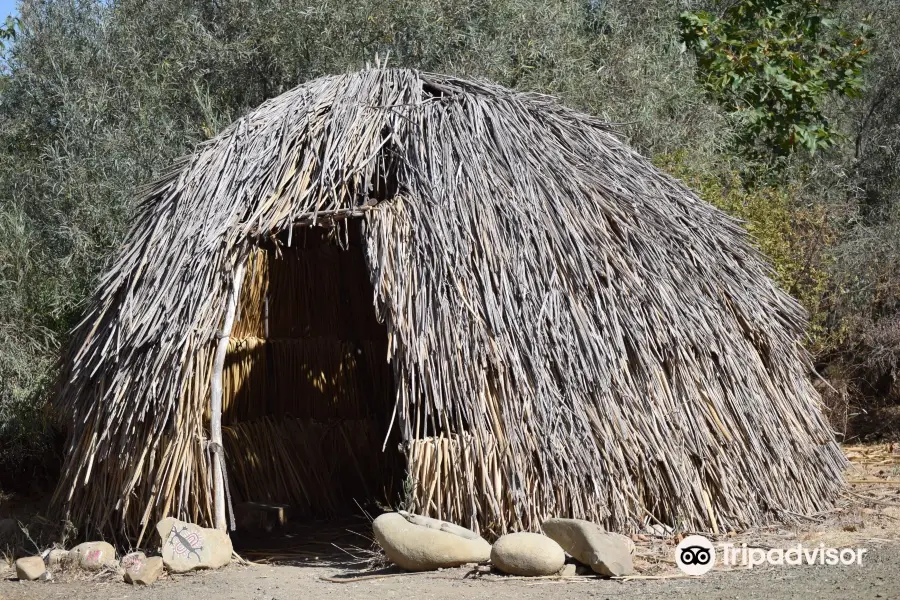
(308, 395)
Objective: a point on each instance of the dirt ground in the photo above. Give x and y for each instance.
(867, 516)
(879, 577)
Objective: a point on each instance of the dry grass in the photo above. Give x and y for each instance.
(613, 342)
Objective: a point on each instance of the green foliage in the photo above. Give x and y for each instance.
(7, 34)
(7, 31)
(772, 64)
(863, 302)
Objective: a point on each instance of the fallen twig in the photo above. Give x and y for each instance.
(627, 578)
(872, 500)
(368, 577)
(533, 578)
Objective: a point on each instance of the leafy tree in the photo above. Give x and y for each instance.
(7, 34)
(7, 30)
(772, 64)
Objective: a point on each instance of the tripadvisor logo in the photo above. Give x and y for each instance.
(695, 555)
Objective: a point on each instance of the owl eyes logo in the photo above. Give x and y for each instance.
(695, 555)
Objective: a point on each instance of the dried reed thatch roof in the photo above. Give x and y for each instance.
(609, 343)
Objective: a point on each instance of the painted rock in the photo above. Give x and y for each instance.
(527, 554)
(92, 555)
(132, 561)
(30, 568)
(607, 553)
(144, 571)
(186, 547)
(423, 548)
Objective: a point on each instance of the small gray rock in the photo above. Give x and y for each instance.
(607, 553)
(30, 568)
(57, 558)
(144, 572)
(568, 570)
(527, 554)
(132, 561)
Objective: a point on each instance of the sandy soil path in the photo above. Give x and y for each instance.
(878, 577)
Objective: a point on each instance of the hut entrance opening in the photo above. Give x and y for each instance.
(307, 390)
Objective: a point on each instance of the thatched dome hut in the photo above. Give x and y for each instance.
(393, 284)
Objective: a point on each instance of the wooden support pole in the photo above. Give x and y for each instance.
(215, 419)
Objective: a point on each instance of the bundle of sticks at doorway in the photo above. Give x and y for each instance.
(304, 424)
(319, 468)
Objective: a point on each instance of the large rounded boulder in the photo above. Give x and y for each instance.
(417, 547)
(527, 554)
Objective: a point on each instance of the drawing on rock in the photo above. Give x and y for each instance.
(187, 544)
(132, 564)
(93, 556)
